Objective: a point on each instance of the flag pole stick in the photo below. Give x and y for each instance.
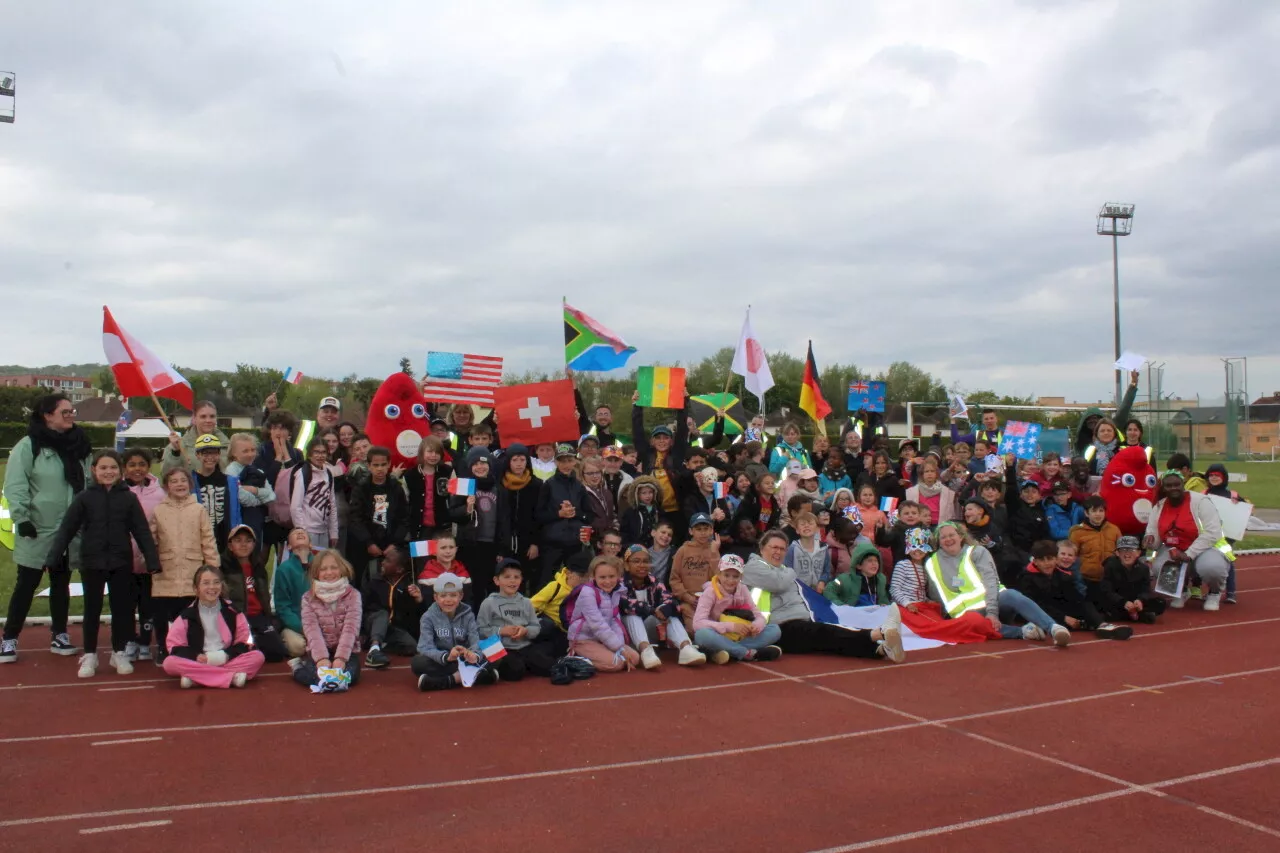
(160, 409)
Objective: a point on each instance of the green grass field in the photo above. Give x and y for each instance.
(1262, 489)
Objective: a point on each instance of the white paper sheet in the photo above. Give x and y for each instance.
(1235, 517)
(77, 590)
(468, 672)
(1129, 361)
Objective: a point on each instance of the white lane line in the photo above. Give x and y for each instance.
(122, 826)
(166, 680)
(1059, 806)
(122, 689)
(126, 740)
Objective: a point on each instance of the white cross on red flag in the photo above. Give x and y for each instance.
(539, 413)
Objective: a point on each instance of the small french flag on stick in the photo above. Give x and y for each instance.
(888, 505)
(462, 486)
(721, 490)
(422, 548)
(492, 648)
(293, 377)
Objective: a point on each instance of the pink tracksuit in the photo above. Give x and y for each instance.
(204, 674)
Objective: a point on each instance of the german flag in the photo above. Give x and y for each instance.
(811, 400)
(660, 387)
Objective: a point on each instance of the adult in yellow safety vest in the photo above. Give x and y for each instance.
(962, 577)
(1185, 529)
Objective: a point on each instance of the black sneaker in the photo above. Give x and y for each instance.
(61, 644)
(768, 653)
(377, 658)
(1146, 617)
(1107, 631)
(428, 683)
(8, 651)
(488, 675)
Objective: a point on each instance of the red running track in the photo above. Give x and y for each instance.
(1165, 742)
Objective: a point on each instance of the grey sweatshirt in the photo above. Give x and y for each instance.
(498, 611)
(786, 602)
(440, 633)
(950, 571)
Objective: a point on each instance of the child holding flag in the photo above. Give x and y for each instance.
(448, 634)
(393, 610)
(510, 617)
(787, 450)
(474, 506)
(441, 556)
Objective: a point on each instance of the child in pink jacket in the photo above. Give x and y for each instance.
(137, 476)
(209, 642)
(595, 631)
(331, 613)
(728, 624)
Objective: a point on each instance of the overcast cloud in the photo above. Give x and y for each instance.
(334, 185)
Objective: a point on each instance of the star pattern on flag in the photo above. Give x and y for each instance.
(868, 396)
(1020, 438)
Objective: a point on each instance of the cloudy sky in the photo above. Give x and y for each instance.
(334, 185)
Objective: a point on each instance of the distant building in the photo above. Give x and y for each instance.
(1206, 430)
(75, 387)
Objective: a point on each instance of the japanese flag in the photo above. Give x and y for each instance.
(750, 363)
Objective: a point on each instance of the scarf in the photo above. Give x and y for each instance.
(330, 591)
(1104, 452)
(516, 482)
(930, 491)
(71, 446)
(834, 473)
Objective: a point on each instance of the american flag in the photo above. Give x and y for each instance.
(454, 377)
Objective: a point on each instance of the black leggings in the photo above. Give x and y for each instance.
(121, 585)
(800, 637)
(142, 601)
(24, 592)
(164, 609)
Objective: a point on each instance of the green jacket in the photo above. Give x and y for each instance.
(37, 491)
(847, 588)
(287, 587)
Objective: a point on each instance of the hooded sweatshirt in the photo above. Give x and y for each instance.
(440, 632)
(850, 587)
(786, 601)
(547, 601)
(499, 611)
(812, 567)
(150, 496)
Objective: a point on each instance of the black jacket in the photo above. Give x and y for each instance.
(674, 462)
(1026, 524)
(363, 530)
(235, 588)
(697, 502)
(886, 486)
(379, 595)
(195, 632)
(637, 525)
(105, 519)
(1120, 586)
(517, 523)
(556, 530)
(415, 484)
(749, 510)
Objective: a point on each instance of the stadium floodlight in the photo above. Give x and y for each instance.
(1116, 221)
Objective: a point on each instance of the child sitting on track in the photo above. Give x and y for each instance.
(647, 612)
(728, 623)
(448, 634)
(209, 641)
(331, 615)
(512, 617)
(595, 624)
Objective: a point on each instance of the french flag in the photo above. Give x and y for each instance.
(721, 490)
(888, 505)
(293, 377)
(492, 648)
(422, 548)
(462, 486)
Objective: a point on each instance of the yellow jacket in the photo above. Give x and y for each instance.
(548, 599)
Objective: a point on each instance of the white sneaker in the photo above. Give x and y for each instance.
(294, 663)
(131, 650)
(1213, 601)
(1031, 631)
(144, 653)
(186, 683)
(892, 643)
(1061, 636)
(88, 665)
(239, 679)
(649, 658)
(1179, 603)
(120, 660)
(690, 656)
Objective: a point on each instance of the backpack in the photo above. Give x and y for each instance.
(280, 511)
(571, 602)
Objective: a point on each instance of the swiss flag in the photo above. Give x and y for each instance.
(539, 413)
(139, 372)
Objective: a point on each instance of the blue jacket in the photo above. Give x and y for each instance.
(784, 453)
(1062, 518)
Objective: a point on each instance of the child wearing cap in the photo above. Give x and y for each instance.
(588, 446)
(513, 618)
(1054, 590)
(215, 491)
(246, 585)
(1061, 511)
(563, 510)
(808, 555)
(313, 503)
(448, 634)
(331, 614)
(647, 608)
(864, 585)
(728, 624)
(548, 600)
(595, 629)
(1026, 517)
(693, 565)
(661, 454)
(1125, 591)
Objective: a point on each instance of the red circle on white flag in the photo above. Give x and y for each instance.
(755, 355)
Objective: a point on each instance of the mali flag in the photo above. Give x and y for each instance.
(660, 387)
(811, 399)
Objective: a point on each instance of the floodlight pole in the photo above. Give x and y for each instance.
(1116, 221)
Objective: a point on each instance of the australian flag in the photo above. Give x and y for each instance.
(866, 396)
(1021, 439)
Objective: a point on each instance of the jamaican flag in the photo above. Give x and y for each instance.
(704, 407)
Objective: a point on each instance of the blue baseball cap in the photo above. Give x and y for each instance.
(700, 518)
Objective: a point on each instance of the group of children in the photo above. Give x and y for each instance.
(603, 551)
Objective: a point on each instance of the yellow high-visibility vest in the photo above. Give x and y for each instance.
(764, 600)
(972, 594)
(596, 434)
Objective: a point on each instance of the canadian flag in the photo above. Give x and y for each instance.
(750, 363)
(540, 413)
(139, 372)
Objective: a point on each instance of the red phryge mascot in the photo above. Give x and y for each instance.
(1129, 488)
(398, 419)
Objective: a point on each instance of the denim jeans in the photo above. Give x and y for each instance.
(712, 641)
(1014, 603)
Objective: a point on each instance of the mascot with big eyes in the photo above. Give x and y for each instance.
(1129, 488)
(398, 419)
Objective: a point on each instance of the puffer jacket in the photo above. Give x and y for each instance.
(332, 630)
(184, 541)
(150, 495)
(106, 521)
